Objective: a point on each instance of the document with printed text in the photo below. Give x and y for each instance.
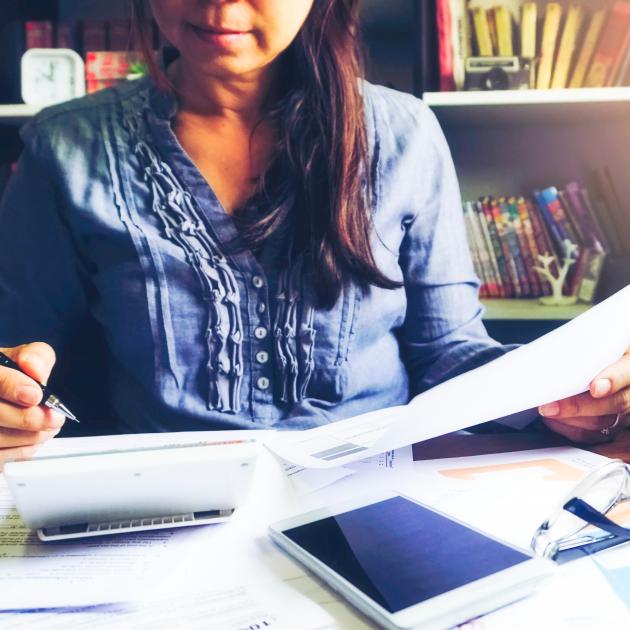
(559, 364)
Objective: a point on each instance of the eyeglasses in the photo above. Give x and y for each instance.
(580, 522)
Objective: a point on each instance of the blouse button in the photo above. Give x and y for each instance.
(260, 332)
(262, 357)
(263, 383)
(262, 307)
(257, 281)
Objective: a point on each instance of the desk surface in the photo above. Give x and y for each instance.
(454, 445)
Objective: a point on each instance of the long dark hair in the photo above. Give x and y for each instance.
(321, 162)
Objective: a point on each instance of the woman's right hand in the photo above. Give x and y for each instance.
(24, 424)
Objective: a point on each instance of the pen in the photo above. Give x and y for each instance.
(49, 399)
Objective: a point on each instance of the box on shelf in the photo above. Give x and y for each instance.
(107, 68)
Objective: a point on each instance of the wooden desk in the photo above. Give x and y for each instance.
(454, 445)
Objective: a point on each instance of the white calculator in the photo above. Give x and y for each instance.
(121, 491)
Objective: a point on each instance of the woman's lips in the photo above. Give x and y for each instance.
(219, 36)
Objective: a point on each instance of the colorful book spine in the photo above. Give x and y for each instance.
(610, 43)
(506, 281)
(474, 250)
(461, 41)
(503, 24)
(557, 237)
(483, 37)
(587, 48)
(526, 252)
(553, 16)
(529, 38)
(592, 234)
(566, 50)
(484, 255)
(39, 34)
(515, 247)
(487, 240)
(445, 45)
(508, 253)
(542, 287)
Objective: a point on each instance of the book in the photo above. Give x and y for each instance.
(590, 276)
(623, 73)
(617, 208)
(445, 45)
(611, 41)
(566, 50)
(529, 36)
(508, 246)
(592, 235)
(528, 30)
(475, 253)
(562, 215)
(553, 16)
(483, 36)
(486, 253)
(94, 34)
(65, 35)
(557, 235)
(487, 241)
(615, 71)
(461, 41)
(506, 281)
(119, 35)
(503, 26)
(596, 197)
(524, 250)
(589, 43)
(427, 78)
(537, 250)
(39, 34)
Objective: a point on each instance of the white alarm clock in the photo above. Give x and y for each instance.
(51, 75)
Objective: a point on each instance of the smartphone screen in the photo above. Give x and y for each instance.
(400, 553)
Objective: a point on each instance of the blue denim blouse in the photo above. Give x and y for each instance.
(107, 219)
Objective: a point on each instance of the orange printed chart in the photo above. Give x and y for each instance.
(552, 470)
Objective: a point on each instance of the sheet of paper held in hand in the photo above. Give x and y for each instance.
(559, 364)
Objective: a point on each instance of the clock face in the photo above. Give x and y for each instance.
(51, 76)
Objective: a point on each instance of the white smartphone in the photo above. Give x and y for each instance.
(114, 492)
(405, 565)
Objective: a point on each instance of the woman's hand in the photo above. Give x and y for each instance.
(23, 423)
(599, 414)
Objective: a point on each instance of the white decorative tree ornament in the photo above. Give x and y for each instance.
(557, 282)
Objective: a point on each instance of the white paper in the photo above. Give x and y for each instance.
(506, 495)
(100, 570)
(578, 599)
(559, 364)
(260, 606)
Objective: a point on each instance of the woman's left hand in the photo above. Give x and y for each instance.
(599, 414)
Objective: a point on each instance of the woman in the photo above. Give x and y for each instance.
(260, 239)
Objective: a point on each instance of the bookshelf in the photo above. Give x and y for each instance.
(518, 310)
(16, 114)
(527, 107)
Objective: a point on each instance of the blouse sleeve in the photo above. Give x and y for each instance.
(42, 295)
(443, 334)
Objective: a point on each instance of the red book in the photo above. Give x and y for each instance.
(445, 45)
(610, 46)
(65, 36)
(39, 34)
(119, 35)
(94, 35)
